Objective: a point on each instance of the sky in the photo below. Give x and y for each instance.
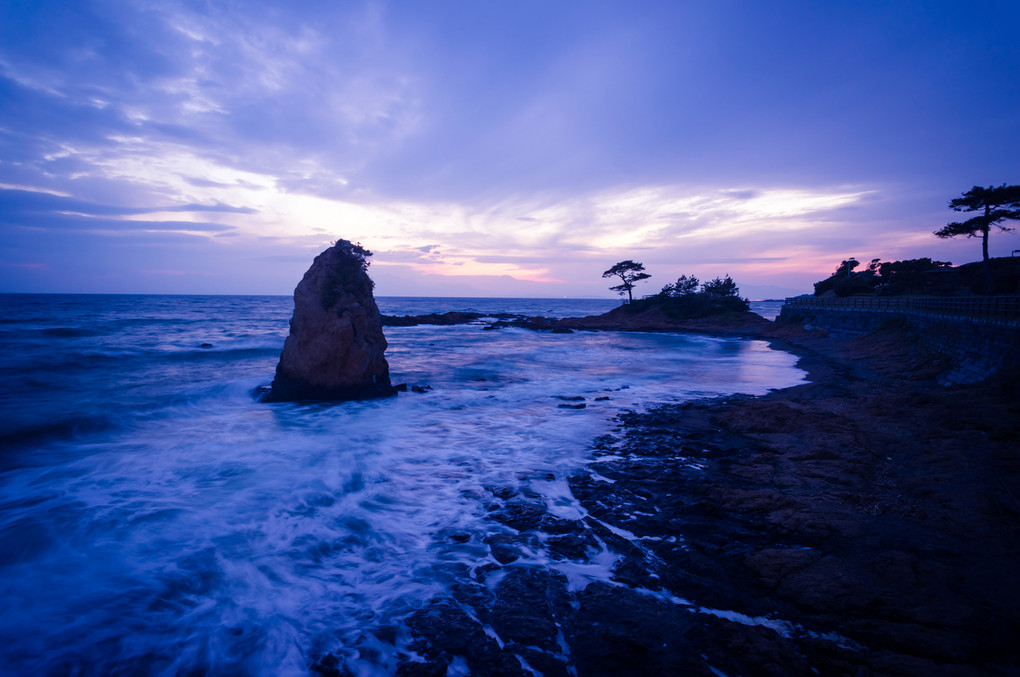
(494, 147)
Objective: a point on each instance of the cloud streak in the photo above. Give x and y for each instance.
(771, 140)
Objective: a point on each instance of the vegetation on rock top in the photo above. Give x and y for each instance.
(688, 299)
(921, 277)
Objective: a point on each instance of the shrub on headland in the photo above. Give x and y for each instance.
(687, 300)
(919, 277)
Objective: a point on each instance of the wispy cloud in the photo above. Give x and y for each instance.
(26, 266)
(685, 135)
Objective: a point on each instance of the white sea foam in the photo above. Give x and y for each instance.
(199, 530)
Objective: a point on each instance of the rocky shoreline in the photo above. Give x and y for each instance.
(865, 523)
(868, 510)
(622, 318)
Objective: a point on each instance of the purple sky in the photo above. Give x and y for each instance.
(494, 148)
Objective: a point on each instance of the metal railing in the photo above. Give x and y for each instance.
(988, 308)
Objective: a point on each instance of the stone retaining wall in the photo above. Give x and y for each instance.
(978, 346)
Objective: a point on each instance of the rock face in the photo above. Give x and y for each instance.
(335, 348)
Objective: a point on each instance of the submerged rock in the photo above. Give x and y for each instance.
(336, 344)
(446, 319)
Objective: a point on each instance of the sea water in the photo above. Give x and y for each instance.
(156, 519)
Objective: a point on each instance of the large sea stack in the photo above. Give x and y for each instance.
(335, 348)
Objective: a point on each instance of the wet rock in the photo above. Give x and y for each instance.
(520, 515)
(421, 389)
(572, 406)
(528, 603)
(547, 663)
(505, 493)
(335, 348)
(482, 572)
(443, 319)
(618, 631)
(738, 649)
(818, 530)
(472, 593)
(330, 666)
(571, 546)
(772, 565)
(206, 345)
(445, 631)
(422, 669)
(505, 548)
(557, 525)
(605, 442)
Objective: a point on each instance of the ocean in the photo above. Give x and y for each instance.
(155, 519)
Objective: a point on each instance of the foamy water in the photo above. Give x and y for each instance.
(156, 520)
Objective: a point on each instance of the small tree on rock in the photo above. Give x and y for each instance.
(629, 272)
(689, 299)
(844, 280)
(349, 273)
(995, 206)
(847, 268)
(685, 286)
(721, 287)
(354, 250)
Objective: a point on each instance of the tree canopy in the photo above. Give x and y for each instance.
(348, 272)
(629, 273)
(354, 251)
(721, 287)
(685, 286)
(688, 298)
(995, 204)
(888, 278)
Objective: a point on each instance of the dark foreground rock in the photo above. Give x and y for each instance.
(335, 350)
(864, 524)
(868, 504)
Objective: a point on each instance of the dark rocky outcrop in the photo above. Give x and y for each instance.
(444, 319)
(654, 314)
(335, 348)
(637, 317)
